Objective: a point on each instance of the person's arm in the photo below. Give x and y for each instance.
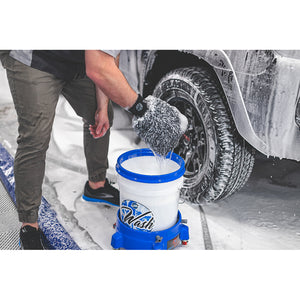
(156, 122)
(103, 71)
(101, 125)
(101, 116)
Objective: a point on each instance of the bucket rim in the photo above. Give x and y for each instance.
(149, 178)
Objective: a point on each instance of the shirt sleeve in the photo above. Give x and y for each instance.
(113, 53)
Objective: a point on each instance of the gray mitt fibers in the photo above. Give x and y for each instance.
(161, 127)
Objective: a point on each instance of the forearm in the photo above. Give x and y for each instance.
(103, 71)
(101, 125)
(102, 99)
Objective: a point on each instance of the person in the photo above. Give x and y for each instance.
(36, 79)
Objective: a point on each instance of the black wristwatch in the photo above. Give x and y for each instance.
(139, 107)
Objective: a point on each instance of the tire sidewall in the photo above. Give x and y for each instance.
(184, 87)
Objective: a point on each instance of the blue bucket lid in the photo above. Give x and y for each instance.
(149, 178)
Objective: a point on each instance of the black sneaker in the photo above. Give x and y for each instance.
(31, 238)
(106, 195)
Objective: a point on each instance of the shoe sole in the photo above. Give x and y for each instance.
(44, 245)
(96, 200)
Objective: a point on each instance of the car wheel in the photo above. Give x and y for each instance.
(218, 160)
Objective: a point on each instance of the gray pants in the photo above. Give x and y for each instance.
(35, 95)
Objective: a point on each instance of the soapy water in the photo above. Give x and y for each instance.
(163, 161)
(150, 165)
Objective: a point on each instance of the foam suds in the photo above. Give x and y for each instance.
(150, 165)
(183, 123)
(162, 161)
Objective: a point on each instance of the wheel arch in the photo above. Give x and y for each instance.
(160, 62)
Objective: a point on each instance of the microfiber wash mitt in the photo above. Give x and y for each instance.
(161, 126)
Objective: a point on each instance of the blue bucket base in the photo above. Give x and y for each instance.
(131, 239)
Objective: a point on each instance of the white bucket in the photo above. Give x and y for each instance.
(149, 190)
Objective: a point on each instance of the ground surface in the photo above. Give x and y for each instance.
(265, 214)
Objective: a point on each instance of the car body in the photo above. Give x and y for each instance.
(262, 88)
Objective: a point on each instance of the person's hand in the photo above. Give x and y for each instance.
(101, 125)
(159, 124)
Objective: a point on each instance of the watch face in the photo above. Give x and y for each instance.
(136, 216)
(139, 107)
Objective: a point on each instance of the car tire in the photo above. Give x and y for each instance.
(218, 160)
